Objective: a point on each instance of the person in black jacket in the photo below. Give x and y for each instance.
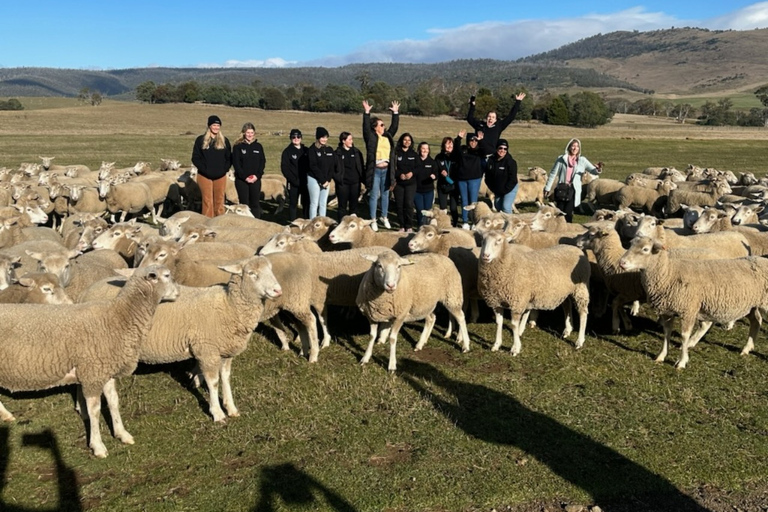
(380, 159)
(490, 127)
(426, 173)
(447, 168)
(349, 175)
(501, 177)
(249, 161)
(212, 155)
(322, 169)
(405, 181)
(294, 165)
(470, 172)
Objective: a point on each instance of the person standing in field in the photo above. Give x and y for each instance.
(405, 181)
(491, 127)
(568, 169)
(249, 161)
(322, 169)
(212, 155)
(349, 176)
(501, 177)
(294, 165)
(426, 173)
(380, 159)
(470, 172)
(447, 169)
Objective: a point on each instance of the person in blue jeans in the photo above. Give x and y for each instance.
(380, 159)
(426, 173)
(501, 177)
(470, 172)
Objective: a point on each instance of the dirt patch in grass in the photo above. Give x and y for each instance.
(395, 453)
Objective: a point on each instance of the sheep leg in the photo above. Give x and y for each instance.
(754, 327)
(700, 332)
(309, 341)
(323, 317)
(516, 345)
(123, 215)
(524, 321)
(211, 375)
(384, 333)
(532, 319)
(374, 330)
(463, 337)
(5, 415)
(113, 403)
(429, 324)
(616, 311)
(226, 387)
(687, 323)
(93, 408)
(396, 325)
(635, 308)
(568, 312)
(583, 309)
(449, 331)
(666, 324)
(280, 330)
(499, 312)
(474, 311)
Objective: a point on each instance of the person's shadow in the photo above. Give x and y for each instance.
(292, 486)
(68, 489)
(614, 482)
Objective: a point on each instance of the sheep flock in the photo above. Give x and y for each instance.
(103, 269)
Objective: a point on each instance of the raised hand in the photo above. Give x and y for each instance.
(366, 106)
(520, 96)
(395, 107)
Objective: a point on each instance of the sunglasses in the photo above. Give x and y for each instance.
(296, 137)
(502, 148)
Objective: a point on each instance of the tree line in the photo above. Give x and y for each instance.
(11, 104)
(430, 98)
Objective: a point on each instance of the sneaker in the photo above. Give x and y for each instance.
(401, 230)
(374, 226)
(385, 222)
(409, 230)
(465, 226)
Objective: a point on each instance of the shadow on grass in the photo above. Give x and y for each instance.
(68, 488)
(615, 482)
(287, 484)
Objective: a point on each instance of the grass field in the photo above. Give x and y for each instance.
(448, 431)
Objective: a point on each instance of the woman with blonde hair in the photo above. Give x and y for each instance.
(249, 161)
(212, 155)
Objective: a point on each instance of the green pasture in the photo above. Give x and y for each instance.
(448, 431)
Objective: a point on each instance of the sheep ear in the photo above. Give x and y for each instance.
(74, 253)
(427, 213)
(287, 229)
(445, 231)
(35, 255)
(470, 207)
(602, 233)
(370, 257)
(232, 268)
(16, 262)
(406, 261)
(367, 222)
(657, 247)
(26, 282)
(125, 272)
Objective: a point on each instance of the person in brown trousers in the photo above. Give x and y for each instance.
(212, 155)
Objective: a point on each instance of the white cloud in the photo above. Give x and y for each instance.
(748, 18)
(275, 62)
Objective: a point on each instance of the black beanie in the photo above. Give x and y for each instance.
(321, 132)
(502, 142)
(214, 120)
(295, 132)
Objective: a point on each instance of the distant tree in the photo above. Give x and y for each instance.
(682, 111)
(216, 94)
(165, 93)
(145, 91)
(557, 112)
(309, 97)
(189, 92)
(718, 114)
(589, 110)
(762, 95)
(272, 98)
(84, 96)
(95, 99)
(364, 78)
(380, 95)
(11, 104)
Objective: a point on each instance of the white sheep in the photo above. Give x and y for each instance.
(88, 344)
(35, 288)
(720, 291)
(514, 277)
(211, 325)
(124, 198)
(396, 290)
(551, 219)
(356, 231)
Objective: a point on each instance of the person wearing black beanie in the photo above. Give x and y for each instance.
(294, 164)
(212, 156)
(501, 177)
(322, 168)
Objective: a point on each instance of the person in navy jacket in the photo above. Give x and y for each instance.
(249, 161)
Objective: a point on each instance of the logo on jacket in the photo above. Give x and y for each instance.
(400, 159)
(243, 151)
(294, 156)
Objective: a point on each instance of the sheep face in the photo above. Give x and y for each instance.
(239, 209)
(707, 219)
(113, 236)
(489, 222)
(545, 217)
(424, 238)
(160, 277)
(640, 254)
(746, 214)
(280, 242)
(348, 229)
(493, 246)
(386, 270)
(317, 228)
(44, 288)
(7, 266)
(56, 263)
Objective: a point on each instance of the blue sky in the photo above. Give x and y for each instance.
(193, 33)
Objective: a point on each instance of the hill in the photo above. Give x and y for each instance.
(679, 61)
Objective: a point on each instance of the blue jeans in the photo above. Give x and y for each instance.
(468, 190)
(380, 189)
(507, 201)
(423, 201)
(318, 198)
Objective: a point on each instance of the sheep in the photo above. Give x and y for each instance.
(519, 232)
(601, 192)
(46, 165)
(89, 344)
(396, 290)
(720, 291)
(252, 237)
(438, 217)
(8, 266)
(515, 278)
(680, 196)
(358, 232)
(724, 244)
(273, 188)
(211, 325)
(549, 218)
(35, 288)
(125, 198)
(43, 256)
(747, 214)
(531, 189)
(430, 239)
(289, 242)
(713, 220)
(318, 229)
(648, 200)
